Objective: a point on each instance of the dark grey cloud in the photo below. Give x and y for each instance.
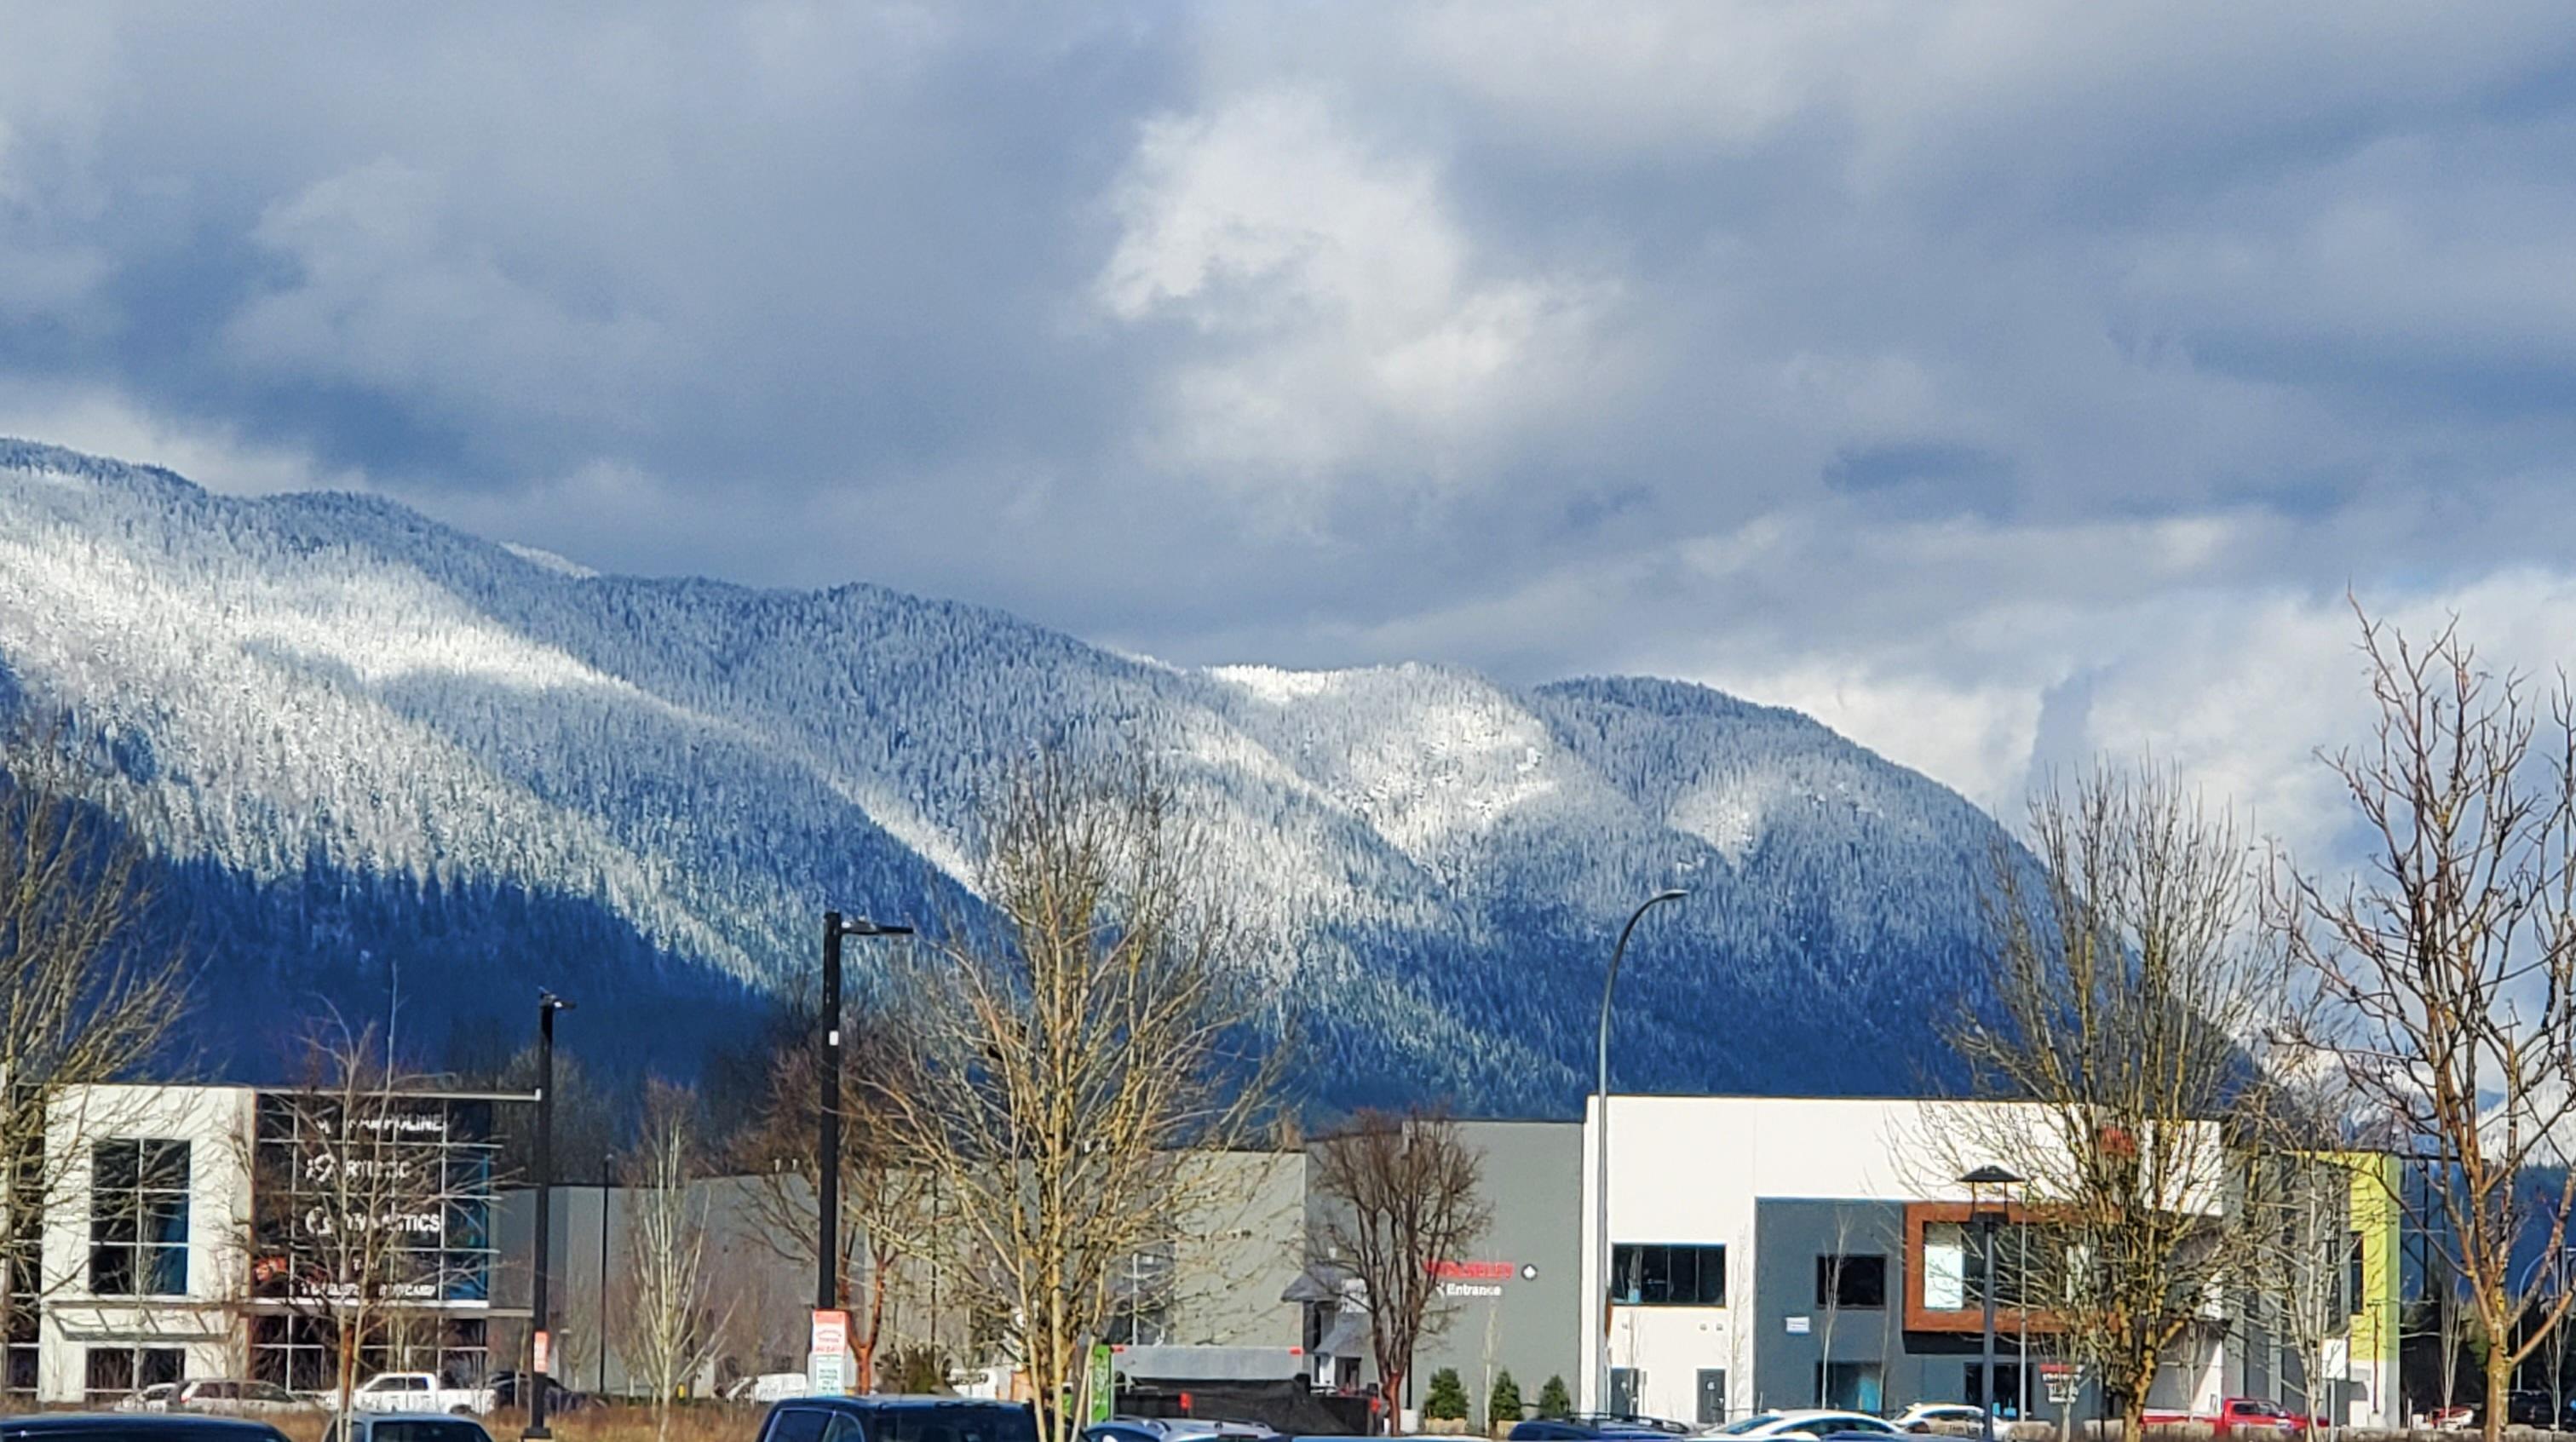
(1940, 368)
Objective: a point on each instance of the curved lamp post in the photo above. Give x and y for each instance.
(1601, 1157)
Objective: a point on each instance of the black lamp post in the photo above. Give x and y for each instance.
(827, 1250)
(535, 1379)
(1996, 1179)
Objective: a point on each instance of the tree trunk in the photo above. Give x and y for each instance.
(867, 1349)
(2499, 1384)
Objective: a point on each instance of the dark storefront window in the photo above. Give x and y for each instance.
(113, 1373)
(1661, 1274)
(1851, 1281)
(388, 1196)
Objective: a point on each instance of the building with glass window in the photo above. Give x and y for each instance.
(228, 1232)
(1802, 1252)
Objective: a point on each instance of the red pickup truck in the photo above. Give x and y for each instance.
(2248, 1417)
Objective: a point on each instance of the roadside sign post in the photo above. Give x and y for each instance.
(827, 1356)
(2063, 1382)
(1103, 1384)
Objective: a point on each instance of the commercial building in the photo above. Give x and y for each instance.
(209, 1231)
(1781, 1252)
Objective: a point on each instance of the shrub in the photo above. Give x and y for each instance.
(1448, 1399)
(1503, 1405)
(1554, 1400)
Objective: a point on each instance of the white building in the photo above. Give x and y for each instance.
(1782, 1252)
(183, 1234)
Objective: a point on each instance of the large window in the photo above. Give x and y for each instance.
(1851, 1281)
(1659, 1274)
(419, 1165)
(1955, 1265)
(138, 1219)
(116, 1372)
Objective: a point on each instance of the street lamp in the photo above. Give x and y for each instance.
(827, 1251)
(540, 1364)
(1999, 1180)
(1601, 1157)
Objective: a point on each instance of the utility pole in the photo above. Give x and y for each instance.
(540, 1363)
(827, 1161)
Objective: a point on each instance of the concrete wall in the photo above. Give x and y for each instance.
(1520, 1311)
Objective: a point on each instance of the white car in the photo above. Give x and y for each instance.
(1921, 1416)
(768, 1387)
(1802, 1422)
(417, 1392)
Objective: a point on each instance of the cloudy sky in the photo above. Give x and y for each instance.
(2000, 382)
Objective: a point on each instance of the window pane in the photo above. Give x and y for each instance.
(111, 1271)
(167, 1271)
(118, 1166)
(1655, 1275)
(1712, 1276)
(795, 1424)
(162, 1364)
(1625, 1262)
(165, 1220)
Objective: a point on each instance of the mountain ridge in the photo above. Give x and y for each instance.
(329, 693)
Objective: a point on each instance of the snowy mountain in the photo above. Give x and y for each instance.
(374, 753)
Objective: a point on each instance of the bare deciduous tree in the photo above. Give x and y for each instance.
(87, 993)
(2448, 967)
(2297, 1207)
(1401, 1195)
(1070, 1063)
(2130, 994)
(673, 1326)
(885, 1203)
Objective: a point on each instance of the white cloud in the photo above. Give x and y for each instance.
(1343, 315)
(213, 454)
(390, 292)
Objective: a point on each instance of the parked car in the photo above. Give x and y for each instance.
(155, 1398)
(766, 1387)
(902, 1419)
(2243, 1416)
(226, 1397)
(1803, 1422)
(1922, 1416)
(2530, 1407)
(417, 1392)
(404, 1427)
(1589, 1429)
(507, 1389)
(134, 1427)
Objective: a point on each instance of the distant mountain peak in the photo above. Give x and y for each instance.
(355, 735)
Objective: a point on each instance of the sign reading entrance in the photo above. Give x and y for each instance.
(827, 1356)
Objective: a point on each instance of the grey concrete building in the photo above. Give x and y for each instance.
(1515, 1304)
